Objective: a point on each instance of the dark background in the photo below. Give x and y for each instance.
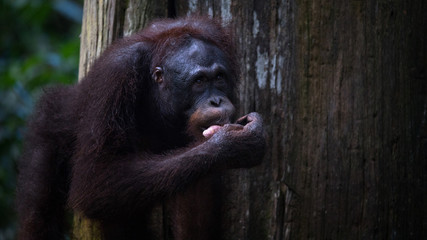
(39, 46)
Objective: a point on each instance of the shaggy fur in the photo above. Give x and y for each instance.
(121, 141)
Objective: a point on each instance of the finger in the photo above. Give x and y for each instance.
(226, 128)
(253, 116)
(232, 127)
(254, 122)
(243, 120)
(211, 131)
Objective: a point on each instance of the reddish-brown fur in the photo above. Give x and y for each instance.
(104, 148)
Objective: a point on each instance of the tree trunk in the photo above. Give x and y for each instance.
(342, 86)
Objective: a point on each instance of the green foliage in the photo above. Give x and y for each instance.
(39, 46)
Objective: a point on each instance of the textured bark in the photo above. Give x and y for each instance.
(342, 86)
(105, 21)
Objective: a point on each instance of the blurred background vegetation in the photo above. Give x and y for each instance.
(39, 46)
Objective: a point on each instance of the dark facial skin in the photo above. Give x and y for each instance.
(197, 82)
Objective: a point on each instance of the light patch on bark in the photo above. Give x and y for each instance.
(261, 66)
(255, 28)
(192, 6)
(226, 11)
(279, 74)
